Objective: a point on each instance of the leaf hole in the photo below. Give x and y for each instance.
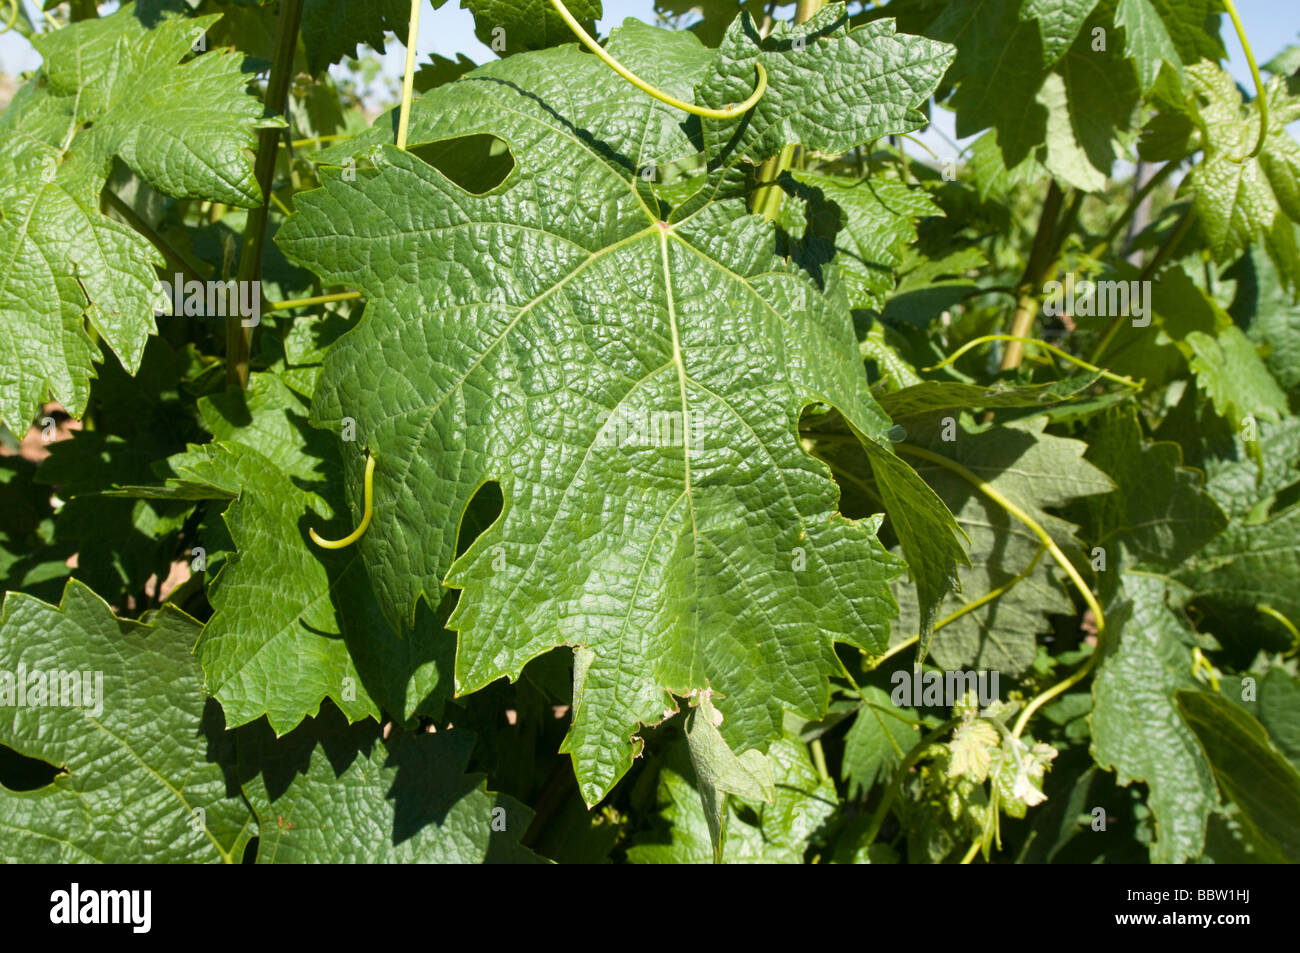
(478, 163)
(20, 773)
(481, 513)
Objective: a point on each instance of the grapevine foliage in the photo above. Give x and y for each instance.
(704, 463)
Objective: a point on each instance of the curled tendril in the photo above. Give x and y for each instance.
(367, 512)
(731, 112)
(12, 18)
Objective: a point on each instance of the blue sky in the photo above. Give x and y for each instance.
(1272, 25)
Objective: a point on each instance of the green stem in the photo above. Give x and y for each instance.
(968, 607)
(303, 143)
(731, 112)
(312, 302)
(767, 197)
(819, 759)
(1034, 342)
(1254, 73)
(239, 339)
(408, 77)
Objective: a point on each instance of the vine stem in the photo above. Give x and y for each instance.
(408, 77)
(1041, 256)
(1254, 73)
(1078, 362)
(768, 195)
(730, 112)
(1050, 544)
(239, 339)
(174, 258)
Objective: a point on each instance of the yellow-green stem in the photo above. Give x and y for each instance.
(1254, 73)
(408, 77)
(731, 112)
(311, 302)
(968, 607)
(1034, 342)
(368, 511)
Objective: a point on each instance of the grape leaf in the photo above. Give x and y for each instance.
(1229, 370)
(1136, 727)
(332, 29)
(874, 220)
(715, 15)
(1034, 470)
(1065, 113)
(516, 26)
(1160, 513)
(1157, 32)
(1250, 770)
(875, 743)
(332, 793)
(1248, 565)
(932, 397)
(1238, 484)
(294, 624)
(110, 87)
(1238, 198)
(719, 771)
(527, 343)
(1059, 22)
(137, 776)
(757, 833)
(1270, 314)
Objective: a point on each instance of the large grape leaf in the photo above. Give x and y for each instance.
(137, 777)
(1035, 470)
(110, 87)
(333, 793)
(1136, 726)
(630, 374)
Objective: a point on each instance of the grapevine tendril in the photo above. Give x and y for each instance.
(367, 512)
(731, 112)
